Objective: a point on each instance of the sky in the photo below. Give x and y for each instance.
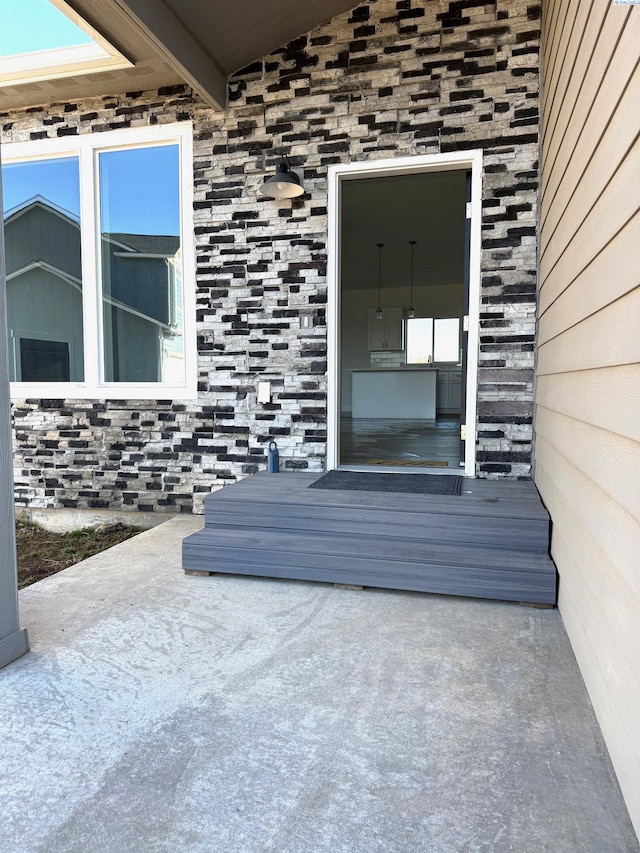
(31, 25)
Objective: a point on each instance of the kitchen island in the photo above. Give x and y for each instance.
(403, 392)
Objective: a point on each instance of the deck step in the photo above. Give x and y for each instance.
(428, 568)
(496, 532)
(316, 548)
(489, 542)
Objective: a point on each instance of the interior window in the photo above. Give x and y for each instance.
(419, 340)
(433, 340)
(446, 339)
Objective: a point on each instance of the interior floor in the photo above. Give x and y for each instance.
(400, 442)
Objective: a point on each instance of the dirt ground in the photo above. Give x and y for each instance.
(42, 553)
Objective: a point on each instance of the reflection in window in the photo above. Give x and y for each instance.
(141, 281)
(433, 340)
(41, 204)
(44, 361)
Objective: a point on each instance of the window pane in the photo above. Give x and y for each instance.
(141, 280)
(419, 340)
(447, 339)
(44, 270)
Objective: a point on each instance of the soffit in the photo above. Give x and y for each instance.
(239, 32)
(228, 34)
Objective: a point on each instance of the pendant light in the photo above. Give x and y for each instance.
(411, 313)
(379, 311)
(284, 184)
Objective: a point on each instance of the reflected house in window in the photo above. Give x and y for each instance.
(142, 305)
(142, 299)
(44, 293)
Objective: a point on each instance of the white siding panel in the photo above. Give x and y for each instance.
(600, 615)
(602, 147)
(611, 462)
(614, 209)
(612, 273)
(562, 43)
(588, 345)
(608, 398)
(571, 107)
(587, 450)
(615, 532)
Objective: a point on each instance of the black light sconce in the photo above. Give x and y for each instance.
(411, 313)
(284, 184)
(379, 311)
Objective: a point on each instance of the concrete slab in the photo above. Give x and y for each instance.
(160, 712)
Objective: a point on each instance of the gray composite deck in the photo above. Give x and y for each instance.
(489, 542)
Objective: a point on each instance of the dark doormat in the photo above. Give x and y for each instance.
(417, 484)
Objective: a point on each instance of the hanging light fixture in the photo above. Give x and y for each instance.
(379, 311)
(284, 184)
(411, 313)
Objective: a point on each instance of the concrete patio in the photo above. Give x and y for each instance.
(162, 712)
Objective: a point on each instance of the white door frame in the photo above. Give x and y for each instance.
(467, 160)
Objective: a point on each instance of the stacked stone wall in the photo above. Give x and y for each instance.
(387, 79)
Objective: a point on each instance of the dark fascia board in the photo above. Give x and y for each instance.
(178, 48)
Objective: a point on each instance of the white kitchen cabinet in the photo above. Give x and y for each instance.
(449, 390)
(442, 391)
(386, 333)
(455, 389)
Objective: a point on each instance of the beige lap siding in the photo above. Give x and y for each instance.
(587, 451)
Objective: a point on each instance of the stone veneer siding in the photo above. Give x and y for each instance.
(389, 78)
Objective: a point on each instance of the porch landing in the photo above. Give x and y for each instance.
(171, 714)
(489, 542)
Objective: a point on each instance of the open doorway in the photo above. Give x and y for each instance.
(403, 297)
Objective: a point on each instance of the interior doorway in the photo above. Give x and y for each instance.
(402, 293)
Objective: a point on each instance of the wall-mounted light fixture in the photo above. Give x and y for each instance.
(411, 313)
(284, 184)
(379, 311)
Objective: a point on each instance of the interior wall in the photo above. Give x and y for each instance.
(587, 453)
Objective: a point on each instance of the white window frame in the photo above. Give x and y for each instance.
(434, 320)
(87, 149)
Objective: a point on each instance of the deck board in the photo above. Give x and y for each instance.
(388, 524)
(273, 544)
(519, 502)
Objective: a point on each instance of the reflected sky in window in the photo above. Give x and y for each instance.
(56, 181)
(140, 188)
(140, 191)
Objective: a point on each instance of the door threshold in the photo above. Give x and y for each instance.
(401, 469)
